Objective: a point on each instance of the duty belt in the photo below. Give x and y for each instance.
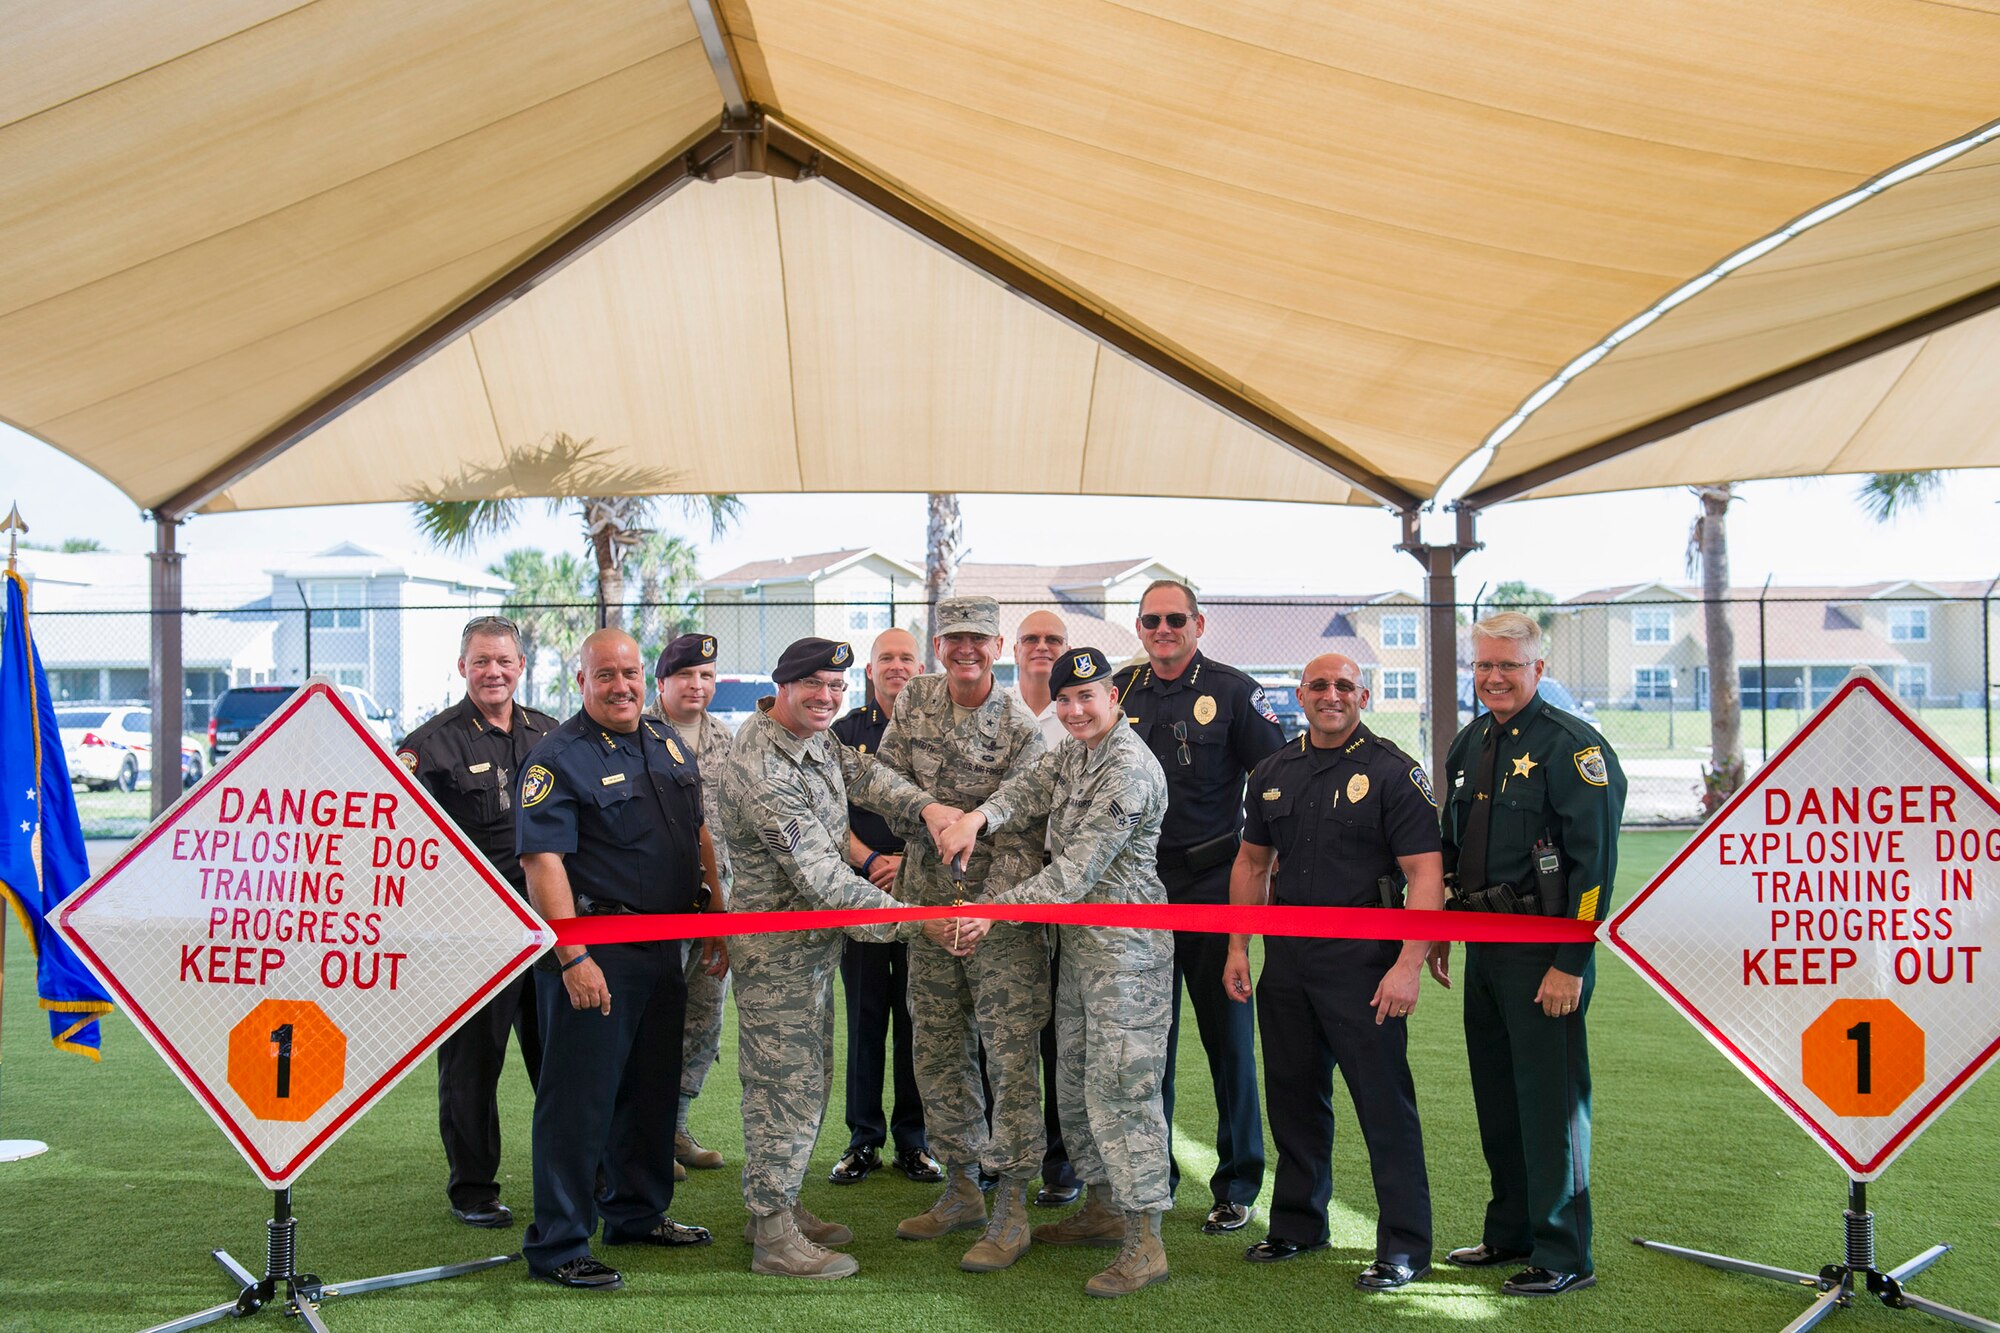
(1201, 856)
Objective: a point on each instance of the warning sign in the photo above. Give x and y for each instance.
(1833, 929)
(301, 929)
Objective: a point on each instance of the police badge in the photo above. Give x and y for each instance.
(1357, 787)
(1590, 766)
(1204, 709)
(675, 750)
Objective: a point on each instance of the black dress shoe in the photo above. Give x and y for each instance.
(1546, 1282)
(669, 1233)
(1385, 1276)
(585, 1274)
(1483, 1255)
(919, 1166)
(491, 1214)
(1227, 1217)
(853, 1168)
(1056, 1196)
(1275, 1250)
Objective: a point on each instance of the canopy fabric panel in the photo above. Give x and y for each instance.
(1390, 223)
(740, 337)
(1934, 402)
(216, 211)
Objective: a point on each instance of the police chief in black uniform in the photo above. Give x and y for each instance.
(1209, 725)
(1530, 826)
(1350, 821)
(874, 978)
(610, 823)
(466, 758)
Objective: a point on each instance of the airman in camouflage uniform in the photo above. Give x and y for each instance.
(784, 819)
(706, 739)
(960, 753)
(1104, 796)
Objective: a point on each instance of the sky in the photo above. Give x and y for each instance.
(1794, 532)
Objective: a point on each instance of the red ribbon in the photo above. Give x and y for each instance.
(1325, 923)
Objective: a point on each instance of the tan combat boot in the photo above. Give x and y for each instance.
(961, 1208)
(826, 1234)
(1141, 1263)
(1095, 1224)
(1006, 1237)
(783, 1252)
(690, 1154)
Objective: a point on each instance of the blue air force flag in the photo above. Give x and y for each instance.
(41, 843)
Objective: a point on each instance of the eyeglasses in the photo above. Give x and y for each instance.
(1185, 755)
(812, 685)
(1177, 619)
(1501, 668)
(491, 622)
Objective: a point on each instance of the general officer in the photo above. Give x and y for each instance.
(466, 758)
(875, 975)
(610, 823)
(1209, 725)
(1349, 819)
(1530, 825)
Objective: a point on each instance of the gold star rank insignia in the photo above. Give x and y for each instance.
(1523, 767)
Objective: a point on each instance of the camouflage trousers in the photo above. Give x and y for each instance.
(1000, 995)
(784, 1055)
(1111, 1053)
(703, 1039)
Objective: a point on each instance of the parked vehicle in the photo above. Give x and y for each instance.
(736, 698)
(111, 745)
(240, 708)
(1282, 693)
(1552, 691)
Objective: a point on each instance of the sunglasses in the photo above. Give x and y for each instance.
(491, 622)
(1178, 619)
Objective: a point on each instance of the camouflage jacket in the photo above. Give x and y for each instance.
(961, 764)
(713, 746)
(1104, 808)
(784, 817)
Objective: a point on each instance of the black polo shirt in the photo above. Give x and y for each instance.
(623, 808)
(1339, 818)
(469, 766)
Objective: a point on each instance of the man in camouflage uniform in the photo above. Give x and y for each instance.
(785, 790)
(1105, 798)
(956, 734)
(684, 682)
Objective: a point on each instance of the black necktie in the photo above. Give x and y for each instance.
(1472, 843)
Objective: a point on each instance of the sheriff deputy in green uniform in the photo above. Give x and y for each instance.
(1531, 822)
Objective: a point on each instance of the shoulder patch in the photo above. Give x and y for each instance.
(536, 784)
(409, 758)
(1122, 817)
(781, 837)
(1262, 704)
(1422, 782)
(1590, 766)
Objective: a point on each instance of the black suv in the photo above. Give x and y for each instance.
(237, 713)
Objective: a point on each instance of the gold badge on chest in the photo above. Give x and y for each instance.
(1357, 787)
(1204, 709)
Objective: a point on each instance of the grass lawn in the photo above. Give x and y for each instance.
(111, 1228)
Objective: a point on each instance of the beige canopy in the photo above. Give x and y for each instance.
(1279, 251)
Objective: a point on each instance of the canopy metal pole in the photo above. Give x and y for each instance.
(1441, 643)
(169, 675)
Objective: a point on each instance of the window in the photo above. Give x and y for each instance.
(1652, 683)
(1913, 681)
(1909, 624)
(341, 675)
(336, 603)
(1400, 684)
(1399, 631)
(75, 684)
(1652, 624)
(868, 618)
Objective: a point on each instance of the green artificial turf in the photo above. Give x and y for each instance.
(111, 1228)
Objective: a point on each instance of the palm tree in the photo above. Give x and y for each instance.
(544, 602)
(1708, 555)
(1887, 495)
(666, 570)
(612, 524)
(944, 538)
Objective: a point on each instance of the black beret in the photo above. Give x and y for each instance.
(686, 651)
(810, 655)
(1078, 666)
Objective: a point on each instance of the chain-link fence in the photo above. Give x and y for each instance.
(1636, 664)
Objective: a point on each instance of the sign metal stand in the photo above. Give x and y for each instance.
(302, 1293)
(1839, 1283)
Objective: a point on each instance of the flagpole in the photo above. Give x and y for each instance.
(13, 1150)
